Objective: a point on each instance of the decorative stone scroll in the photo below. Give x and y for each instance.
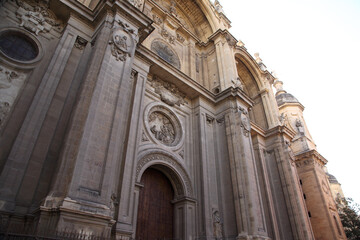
(245, 121)
(169, 93)
(36, 17)
(122, 42)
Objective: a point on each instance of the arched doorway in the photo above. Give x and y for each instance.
(155, 209)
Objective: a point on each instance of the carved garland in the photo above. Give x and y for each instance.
(167, 162)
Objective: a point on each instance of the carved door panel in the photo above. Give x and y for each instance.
(155, 211)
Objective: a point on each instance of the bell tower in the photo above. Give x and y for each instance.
(310, 165)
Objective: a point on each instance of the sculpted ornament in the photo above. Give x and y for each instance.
(6, 77)
(137, 3)
(245, 121)
(217, 225)
(168, 92)
(162, 128)
(11, 82)
(122, 42)
(36, 17)
(4, 110)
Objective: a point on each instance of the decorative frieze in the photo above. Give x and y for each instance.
(36, 17)
(166, 35)
(180, 38)
(169, 93)
(157, 19)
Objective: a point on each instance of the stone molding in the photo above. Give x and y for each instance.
(310, 158)
(171, 167)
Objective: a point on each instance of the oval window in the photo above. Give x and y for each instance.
(18, 46)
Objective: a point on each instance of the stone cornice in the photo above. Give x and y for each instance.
(292, 104)
(312, 155)
(187, 84)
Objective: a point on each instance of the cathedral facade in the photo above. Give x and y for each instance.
(147, 119)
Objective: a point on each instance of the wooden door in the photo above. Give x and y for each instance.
(155, 211)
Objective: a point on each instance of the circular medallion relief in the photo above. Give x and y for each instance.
(162, 128)
(163, 125)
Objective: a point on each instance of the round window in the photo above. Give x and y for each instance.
(18, 46)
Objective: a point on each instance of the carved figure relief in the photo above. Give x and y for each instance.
(122, 42)
(299, 127)
(157, 19)
(165, 34)
(137, 3)
(180, 38)
(168, 92)
(6, 76)
(166, 53)
(245, 121)
(238, 83)
(36, 17)
(217, 225)
(10, 85)
(4, 110)
(173, 8)
(162, 128)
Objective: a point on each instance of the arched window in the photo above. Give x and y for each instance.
(165, 52)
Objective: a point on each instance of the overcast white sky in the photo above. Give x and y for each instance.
(314, 47)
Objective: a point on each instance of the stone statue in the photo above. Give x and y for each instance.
(173, 8)
(299, 127)
(217, 225)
